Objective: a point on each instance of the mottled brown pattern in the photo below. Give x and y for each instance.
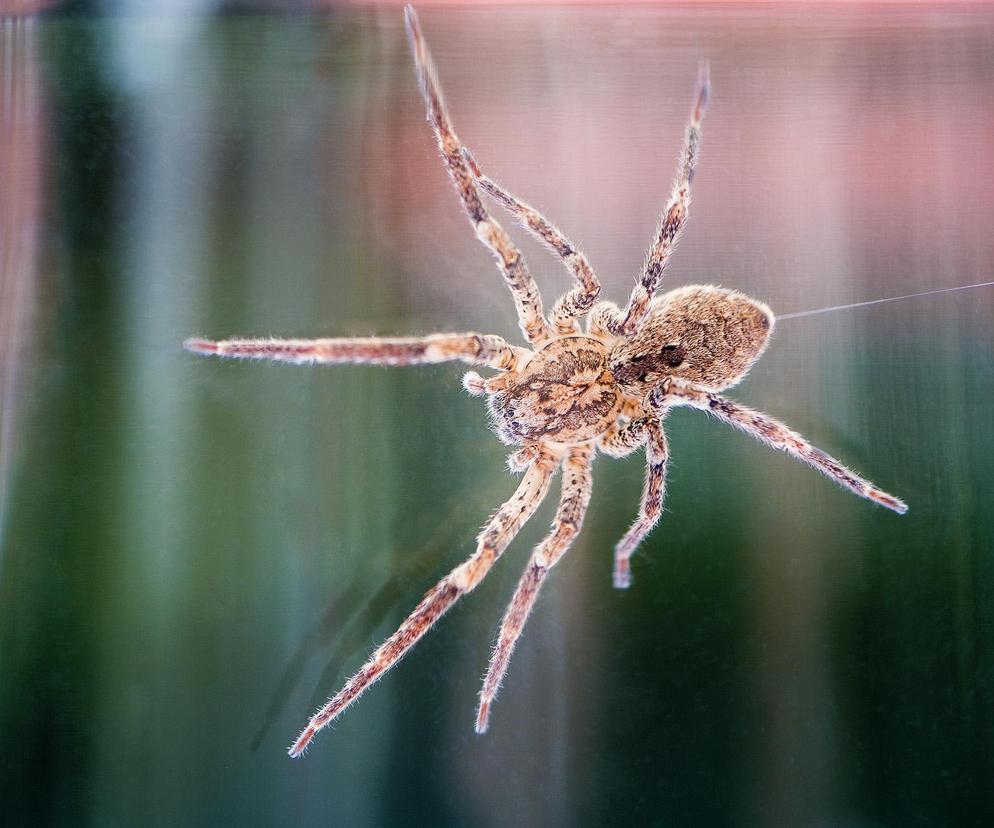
(564, 395)
(701, 334)
(568, 395)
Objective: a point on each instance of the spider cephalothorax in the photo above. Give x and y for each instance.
(573, 393)
(565, 393)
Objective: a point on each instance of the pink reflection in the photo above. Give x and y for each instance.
(21, 8)
(834, 154)
(21, 147)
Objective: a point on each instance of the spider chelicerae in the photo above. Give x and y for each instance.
(572, 394)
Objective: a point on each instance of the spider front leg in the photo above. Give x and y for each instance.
(476, 349)
(580, 299)
(772, 432)
(492, 542)
(524, 291)
(577, 483)
(606, 318)
(651, 507)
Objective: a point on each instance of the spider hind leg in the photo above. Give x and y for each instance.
(577, 483)
(492, 542)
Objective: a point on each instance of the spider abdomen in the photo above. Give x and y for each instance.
(565, 394)
(697, 333)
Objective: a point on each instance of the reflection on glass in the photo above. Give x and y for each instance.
(22, 145)
(194, 553)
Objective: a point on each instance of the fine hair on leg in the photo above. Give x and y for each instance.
(576, 302)
(606, 316)
(651, 507)
(774, 434)
(577, 483)
(524, 291)
(475, 349)
(492, 542)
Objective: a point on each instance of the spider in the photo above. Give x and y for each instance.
(575, 392)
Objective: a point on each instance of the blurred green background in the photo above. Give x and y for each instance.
(194, 553)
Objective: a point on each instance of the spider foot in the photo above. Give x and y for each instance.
(297, 748)
(483, 718)
(893, 503)
(703, 90)
(200, 346)
(622, 574)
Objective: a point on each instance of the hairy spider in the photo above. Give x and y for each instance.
(573, 393)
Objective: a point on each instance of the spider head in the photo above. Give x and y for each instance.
(702, 334)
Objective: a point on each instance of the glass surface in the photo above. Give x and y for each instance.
(195, 553)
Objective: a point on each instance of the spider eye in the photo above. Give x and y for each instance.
(673, 355)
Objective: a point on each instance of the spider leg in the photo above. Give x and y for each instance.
(577, 483)
(492, 542)
(607, 318)
(580, 299)
(524, 291)
(476, 349)
(653, 490)
(477, 386)
(772, 432)
(621, 439)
